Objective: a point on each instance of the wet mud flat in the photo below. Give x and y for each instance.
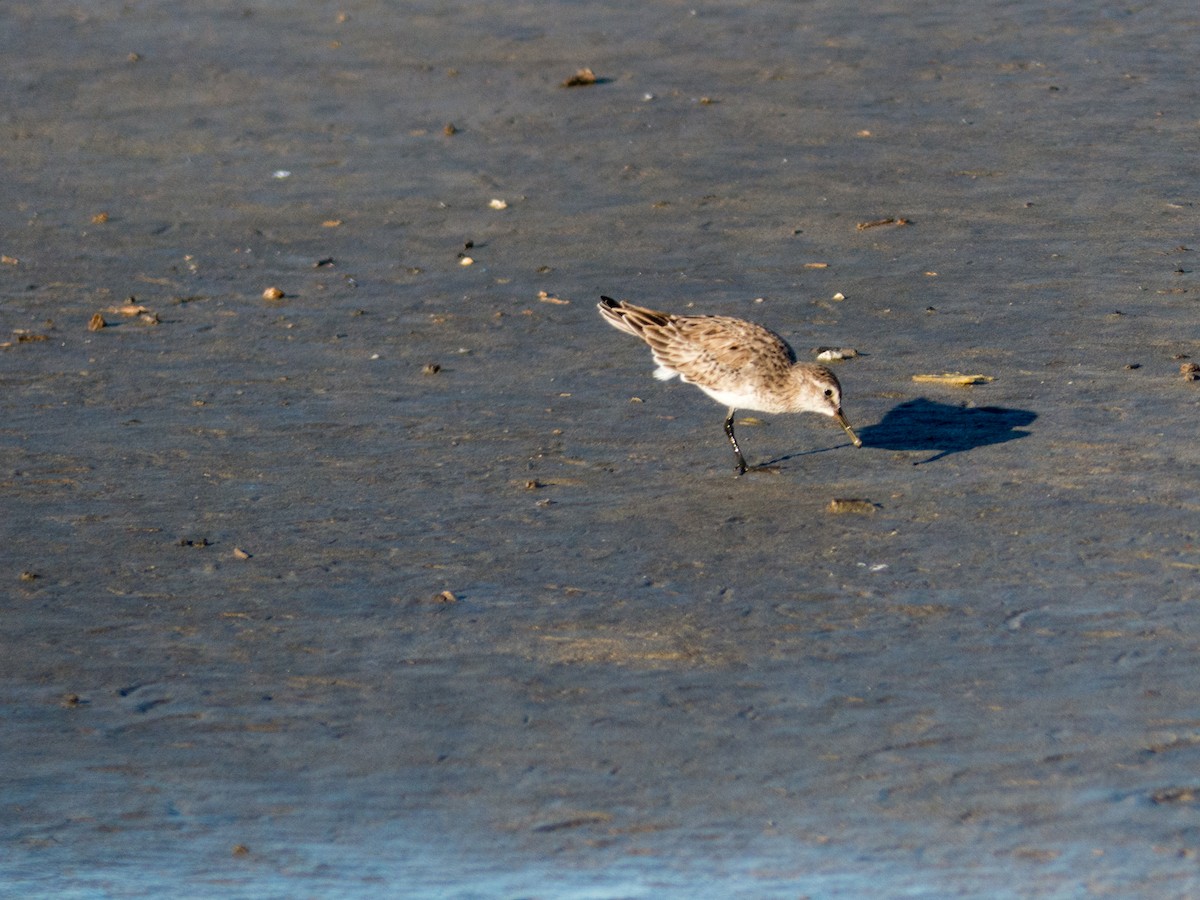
(407, 576)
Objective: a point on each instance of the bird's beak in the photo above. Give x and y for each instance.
(841, 420)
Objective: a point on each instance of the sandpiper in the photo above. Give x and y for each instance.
(738, 363)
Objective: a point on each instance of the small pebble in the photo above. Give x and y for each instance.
(1174, 795)
(273, 293)
(582, 78)
(829, 354)
(852, 505)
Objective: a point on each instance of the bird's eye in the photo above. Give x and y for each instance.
(828, 392)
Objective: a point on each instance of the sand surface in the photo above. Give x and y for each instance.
(414, 582)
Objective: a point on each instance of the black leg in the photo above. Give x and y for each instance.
(741, 460)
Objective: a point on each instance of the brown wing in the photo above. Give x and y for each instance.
(704, 350)
(722, 342)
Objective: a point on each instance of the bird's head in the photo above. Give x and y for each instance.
(823, 394)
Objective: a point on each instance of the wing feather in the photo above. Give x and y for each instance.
(703, 350)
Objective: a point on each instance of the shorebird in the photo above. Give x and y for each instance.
(737, 363)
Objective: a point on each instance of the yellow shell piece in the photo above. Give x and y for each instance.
(955, 378)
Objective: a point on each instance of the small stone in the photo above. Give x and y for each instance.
(582, 78)
(273, 293)
(1174, 795)
(852, 505)
(829, 354)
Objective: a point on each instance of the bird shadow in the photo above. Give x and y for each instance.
(772, 465)
(922, 424)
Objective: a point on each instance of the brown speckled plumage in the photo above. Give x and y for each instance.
(738, 363)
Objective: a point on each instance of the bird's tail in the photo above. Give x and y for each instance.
(629, 318)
